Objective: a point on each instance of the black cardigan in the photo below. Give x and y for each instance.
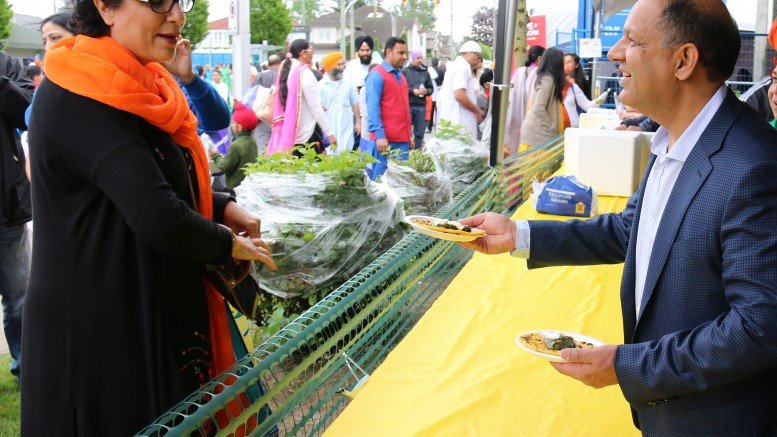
(116, 319)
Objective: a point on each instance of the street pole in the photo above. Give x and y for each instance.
(505, 26)
(342, 26)
(597, 34)
(451, 28)
(241, 49)
(353, 37)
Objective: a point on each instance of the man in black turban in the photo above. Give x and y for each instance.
(364, 44)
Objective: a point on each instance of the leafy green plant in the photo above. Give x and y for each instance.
(459, 155)
(324, 221)
(447, 130)
(423, 186)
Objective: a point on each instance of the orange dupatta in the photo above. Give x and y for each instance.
(104, 70)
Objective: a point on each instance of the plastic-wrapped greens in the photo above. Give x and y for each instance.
(420, 182)
(322, 227)
(462, 162)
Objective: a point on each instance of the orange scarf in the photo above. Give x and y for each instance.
(104, 70)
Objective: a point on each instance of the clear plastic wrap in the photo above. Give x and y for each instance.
(420, 182)
(322, 227)
(462, 162)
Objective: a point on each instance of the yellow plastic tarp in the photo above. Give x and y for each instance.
(459, 372)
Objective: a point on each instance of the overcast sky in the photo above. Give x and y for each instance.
(743, 10)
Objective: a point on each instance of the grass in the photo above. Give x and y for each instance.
(9, 400)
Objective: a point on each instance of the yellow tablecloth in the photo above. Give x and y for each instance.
(459, 372)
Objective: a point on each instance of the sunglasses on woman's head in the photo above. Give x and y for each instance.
(165, 6)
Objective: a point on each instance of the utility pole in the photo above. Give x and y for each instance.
(241, 49)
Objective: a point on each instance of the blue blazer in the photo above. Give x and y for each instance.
(701, 358)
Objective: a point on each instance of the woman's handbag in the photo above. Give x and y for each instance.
(235, 281)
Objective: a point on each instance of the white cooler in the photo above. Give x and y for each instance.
(610, 161)
(598, 118)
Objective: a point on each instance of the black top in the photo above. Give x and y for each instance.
(115, 319)
(416, 77)
(15, 94)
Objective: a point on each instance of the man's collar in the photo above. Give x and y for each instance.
(388, 67)
(684, 144)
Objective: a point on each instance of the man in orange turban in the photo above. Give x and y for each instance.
(339, 98)
(331, 60)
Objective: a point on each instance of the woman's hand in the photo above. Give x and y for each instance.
(241, 221)
(181, 65)
(253, 249)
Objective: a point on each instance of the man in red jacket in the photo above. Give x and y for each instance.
(388, 109)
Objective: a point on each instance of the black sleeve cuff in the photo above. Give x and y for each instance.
(220, 201)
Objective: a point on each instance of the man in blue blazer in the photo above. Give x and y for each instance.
(699, 238)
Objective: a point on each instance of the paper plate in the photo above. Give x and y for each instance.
(554, 333)
(435, 233)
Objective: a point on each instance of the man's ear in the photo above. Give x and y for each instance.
(106, 12)
(686, 59)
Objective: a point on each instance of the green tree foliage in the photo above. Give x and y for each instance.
(482, 29)
(5, 19)
(421, 10)
(305, 10)
(196, 27)
(270, 20)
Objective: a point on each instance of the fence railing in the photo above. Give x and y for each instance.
(293, 383)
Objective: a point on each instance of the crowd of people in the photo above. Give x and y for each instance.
(125, 224)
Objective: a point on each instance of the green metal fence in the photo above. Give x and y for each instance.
(292, 384)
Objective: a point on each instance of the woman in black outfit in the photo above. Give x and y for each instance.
(119, 324)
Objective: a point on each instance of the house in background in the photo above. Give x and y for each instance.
(25, 41)
(216, 48)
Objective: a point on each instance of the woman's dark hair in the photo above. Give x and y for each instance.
(61, 19)
(579, 75)
(486, 77)
(295, 48)
(32, 71)
(87, 20)
(553, 65)
(534, 53)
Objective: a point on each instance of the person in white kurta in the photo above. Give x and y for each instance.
(340, 102)
(356, 69)
(456, 100)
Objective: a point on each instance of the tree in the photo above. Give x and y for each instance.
(5, 19)
(196, 27)
(271, 21)
(421, 10)
(521, 22)
(305, 10)
(482, 29)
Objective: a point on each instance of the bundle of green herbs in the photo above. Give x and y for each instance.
(419, 181)
(461, 157)
(322, 217)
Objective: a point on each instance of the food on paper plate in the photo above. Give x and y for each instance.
(448, 226)
(552, 345)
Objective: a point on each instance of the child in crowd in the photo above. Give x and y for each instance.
(242, 150)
